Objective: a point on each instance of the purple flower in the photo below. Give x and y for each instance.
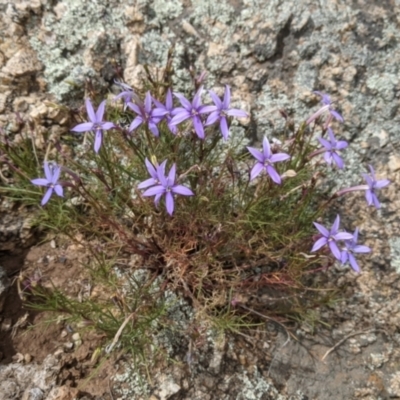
(266, 160)
(191, 110)
(127, 94)
(153, 171)
(167, 107)
(326, 107)
(331, 147)
(330, 237)
(350, 248)
(373, 184)
(146, 115)
(221, 110)
(166, 186)
(96, 124)
(52, 172)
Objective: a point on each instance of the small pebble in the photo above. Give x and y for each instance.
(27, 358)
(53, 244)
(76, 336)
(58, 353)
(68, 346)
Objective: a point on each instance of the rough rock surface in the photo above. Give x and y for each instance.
(274, 54)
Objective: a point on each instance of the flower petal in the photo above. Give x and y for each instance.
(368, 196)
(279, 157)
(341, 144)
(343, 236)
(150, 168)
(336, 115)
(56, 174)
(338, 160)
(375, 201)
(40, 182)
(217, 101)
(59, 190)
(319, 243)
(256, 170)
(169, 203)
(266, 148)
(354, 264)
(212, 118)
(183, 190)
(134, 107)
(223, 124)
(153, 128)
(85, 127)
(159, 189)
(198, 126)
(147, 103)
(382, 183)
(148, 182)
(180, 117)
(196, 103)
(135, 123)
(172, 175)
(48, 173)
(100, 111)
(47, 196)
(361, 249)
(274, 174)
(334, 249)
(105, 126)
(184, 101)
(322, 229)
(169, 102)
(227, 98)
(257, 154)
(90, 111)
(235, 112)
(97, 140)
(325, 143)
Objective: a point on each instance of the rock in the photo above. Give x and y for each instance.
(394, 162)
(3, 100)
(5, 283)
(23, 62)
(63, 393)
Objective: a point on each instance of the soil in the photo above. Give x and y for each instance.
(44, 332)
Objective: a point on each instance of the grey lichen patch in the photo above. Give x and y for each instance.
(63, 38)
(394, 244)
(155, 46)
(166, 10)
(257, 387)
(212, 11)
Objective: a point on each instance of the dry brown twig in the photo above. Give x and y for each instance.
(340, 342)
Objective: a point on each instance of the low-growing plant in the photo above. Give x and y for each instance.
(172, 182)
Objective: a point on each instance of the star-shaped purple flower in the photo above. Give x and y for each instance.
(191, 110)
(373, 184)
(52, 172)
(128, 94)
(153, 171)
(147, 115)
(166, 186)
(221, 111)
(331, 147)
(168, 107)
(330, 237)
(96, 124)
(265, 161)
(350, 248)
(327, 106)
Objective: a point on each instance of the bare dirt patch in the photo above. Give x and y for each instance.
(29, 336)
